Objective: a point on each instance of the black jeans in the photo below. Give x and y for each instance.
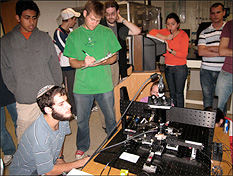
(175, 77)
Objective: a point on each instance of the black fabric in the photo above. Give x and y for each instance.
(6, 97)
(122, 32)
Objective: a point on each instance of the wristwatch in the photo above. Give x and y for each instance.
(61, 157)
(170, 51)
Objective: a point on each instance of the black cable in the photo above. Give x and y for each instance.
(106, 139)
(228, 155)
(105, 167)
(216, 169)
(218, 166)
(206, 155)
(227, 162)
(123, 142)
(230, 171)
(223, 144)
(112, 161)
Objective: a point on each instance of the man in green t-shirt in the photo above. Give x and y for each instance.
(85, 45)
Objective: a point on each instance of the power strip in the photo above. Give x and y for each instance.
(217, 151)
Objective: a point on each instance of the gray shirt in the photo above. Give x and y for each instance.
(29, 65)
(39, 148)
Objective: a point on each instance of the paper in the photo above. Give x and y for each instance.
(153, 37)
(129, 157)
(77, 172)
(100, 60)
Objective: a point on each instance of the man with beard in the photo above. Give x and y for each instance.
(40, 148)
(122, 28)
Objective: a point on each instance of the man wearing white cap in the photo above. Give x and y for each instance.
(61, 33)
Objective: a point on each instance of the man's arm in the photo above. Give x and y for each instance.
(81, 63)
(133, 29)
(89, 60)
(61, 167)
(208, 51)
(53, 63)
(223, 47)
(111, 60)
(7, 72)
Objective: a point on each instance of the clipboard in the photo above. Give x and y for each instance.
(100, 60)
(153, 37)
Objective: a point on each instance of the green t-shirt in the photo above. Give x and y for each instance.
(97, 43)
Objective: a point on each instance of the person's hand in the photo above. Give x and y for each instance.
(170, 37)
(100, 63)
(84, 161)
(89, 60)
(60, 161)
(119, 18)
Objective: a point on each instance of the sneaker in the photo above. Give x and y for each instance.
(7, 159)
(79, 155)
(94, 109)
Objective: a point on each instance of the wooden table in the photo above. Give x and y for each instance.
(95, 168)
(221, 137)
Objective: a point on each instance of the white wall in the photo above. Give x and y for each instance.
(196, 12)
(50, 10)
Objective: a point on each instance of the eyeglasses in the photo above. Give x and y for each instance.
(111, 14)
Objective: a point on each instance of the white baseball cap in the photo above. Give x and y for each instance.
(69, 13)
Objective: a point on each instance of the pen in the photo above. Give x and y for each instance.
(85, 53)
(170, 32)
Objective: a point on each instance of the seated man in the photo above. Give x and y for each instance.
(40, 148)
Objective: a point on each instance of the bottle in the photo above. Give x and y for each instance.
(225, 128)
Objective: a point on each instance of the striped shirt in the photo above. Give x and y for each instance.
(211, 37)
(39, 148)
(59, 39)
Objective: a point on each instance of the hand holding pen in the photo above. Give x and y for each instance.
(88, 59)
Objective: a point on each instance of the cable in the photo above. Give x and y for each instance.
(217, 170)
(112, 160)
(122, 142)
(106, 139)
(227, 162)
(206, 155)
(105, 167)
(230, 171)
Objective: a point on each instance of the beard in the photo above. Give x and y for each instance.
(61, 117)
(111, 21)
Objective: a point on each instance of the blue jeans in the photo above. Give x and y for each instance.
(175, 77)
(7, 144)
(223, 89)
(208, 81)
(83, 106)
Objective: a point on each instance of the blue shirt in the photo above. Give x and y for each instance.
(39, 148)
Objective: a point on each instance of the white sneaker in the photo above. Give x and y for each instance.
(7, 159)
(79, 155)
(94, 109)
